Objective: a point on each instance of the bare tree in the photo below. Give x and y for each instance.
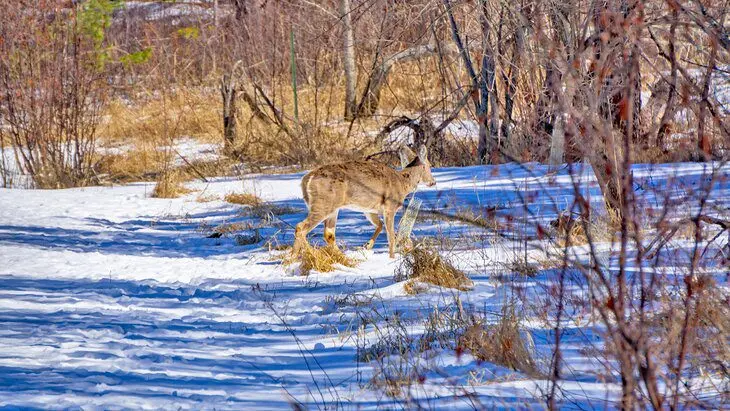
(484, 82)
(348, 60)
(229, 91)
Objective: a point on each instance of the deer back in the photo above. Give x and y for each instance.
(360, 185)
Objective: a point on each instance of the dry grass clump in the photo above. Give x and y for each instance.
(170, 185)
(569, 230)
(263, 143)
(151, 123)
(653, 155)
(249, 199)
(397, 387)
(135, 165)
(548, 262)
(522, 267)
(274, 245)
(323, 259)
(413, 287)
(250, 238)
(607, 224)
(402, 358)
(267, 211)
(708, 326)
(426, 265)
(206, 198)
(713, 319)
(449, 151)
(229, 228)
(209, 168)
(500, 343)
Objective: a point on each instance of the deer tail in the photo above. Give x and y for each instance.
(305, 188)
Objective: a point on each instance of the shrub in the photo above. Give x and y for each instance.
(52, 74)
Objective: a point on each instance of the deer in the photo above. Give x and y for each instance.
(370, 187)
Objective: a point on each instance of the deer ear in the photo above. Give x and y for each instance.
(403, 157)
(423, 153)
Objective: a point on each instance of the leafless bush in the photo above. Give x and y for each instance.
(404, 359)
(604, 124)
(52, 80)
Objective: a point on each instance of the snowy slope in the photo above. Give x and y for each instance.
(112, 299)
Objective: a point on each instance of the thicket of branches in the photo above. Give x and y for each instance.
(542, 80)
(53, 63)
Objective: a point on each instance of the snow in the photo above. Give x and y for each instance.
(174, 10)
(112, 299)
(720, 89)
(459, 129)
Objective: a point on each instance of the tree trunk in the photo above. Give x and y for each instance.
(704, 139)
(485, 147)
(494, 129)
(620, 93)
(628, 381)
(632, 125)
(557, 141)
(607, 171)
(670, 108)
(488, 110)
(241, 9)
(348, 60)
(551, 115)
(511, 80)
(215, 36)
(230, 133)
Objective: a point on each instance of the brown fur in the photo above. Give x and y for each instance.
(305, 192)
(370, 187)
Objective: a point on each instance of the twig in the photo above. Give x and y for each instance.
(195, 169)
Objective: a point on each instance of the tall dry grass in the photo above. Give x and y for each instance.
(142, 123)
(149, 117)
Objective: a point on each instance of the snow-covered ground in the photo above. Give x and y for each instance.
(112, 299)
(170, 10)
(185, 150)
(187, 147)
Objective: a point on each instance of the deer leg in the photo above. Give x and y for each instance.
(390, 230)
(330, 223)
(304, 227)
(378, 223)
